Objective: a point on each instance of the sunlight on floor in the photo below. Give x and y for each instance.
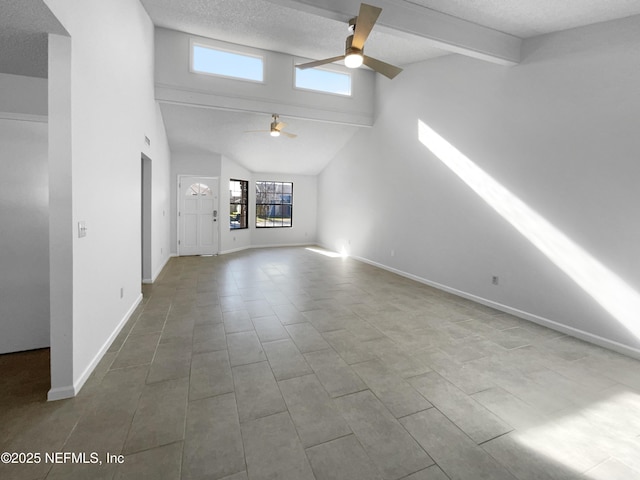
(609, 290)
(591, 439)
(327, 253)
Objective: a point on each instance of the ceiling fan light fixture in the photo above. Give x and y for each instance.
(274, 133)
(353, 60)
(359, 28)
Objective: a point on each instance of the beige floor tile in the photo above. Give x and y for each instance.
(455, 453)
(213, 443)
(269, 329)
(160, 416)
(244, 348)
(342, 459)
(394, 452)
(471, 417)
(285, 359)
(137, 350)
(314, 415)
(307, 338)
(210, 375)
(162, 463)
(336, 376)
(273, 450)
(395, 393)
(257, 392)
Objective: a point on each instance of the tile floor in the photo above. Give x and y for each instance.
(287, 364)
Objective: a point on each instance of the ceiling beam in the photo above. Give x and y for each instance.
(444, 31)
(191, 98)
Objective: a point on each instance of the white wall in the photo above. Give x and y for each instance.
(558, 131)
(24, 214)
(111, 108)
(22, 96)
(175, 83)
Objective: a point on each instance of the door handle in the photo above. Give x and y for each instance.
(215, 215)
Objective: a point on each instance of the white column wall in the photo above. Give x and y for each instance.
(97, 179)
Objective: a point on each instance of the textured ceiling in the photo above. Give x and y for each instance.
(206, 131)
(261, 24)
(528, 18)
(24, 25)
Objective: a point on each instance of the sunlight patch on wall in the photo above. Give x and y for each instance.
(609, 290)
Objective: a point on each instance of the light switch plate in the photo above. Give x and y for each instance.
(82, 229)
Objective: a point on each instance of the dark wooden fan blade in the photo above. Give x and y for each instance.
(367, 18)
(389, 71)
(317, 63)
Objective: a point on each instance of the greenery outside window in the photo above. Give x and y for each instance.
(274, 204)
(238, 204)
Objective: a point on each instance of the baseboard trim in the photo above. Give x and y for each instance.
(545, 322)
(70, 391)
(60, 393)
(234, 250)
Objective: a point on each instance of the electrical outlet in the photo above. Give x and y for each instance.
(495, 280)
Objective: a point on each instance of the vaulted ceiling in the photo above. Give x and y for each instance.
(408, 31)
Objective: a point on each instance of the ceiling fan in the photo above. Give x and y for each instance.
(360, 28)
(275, 129)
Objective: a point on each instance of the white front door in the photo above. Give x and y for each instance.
(198, 216)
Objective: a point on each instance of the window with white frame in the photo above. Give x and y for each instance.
(323, 80)
(225, 63)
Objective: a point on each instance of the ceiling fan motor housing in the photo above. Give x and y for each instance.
(349, 49)
(352, 25)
